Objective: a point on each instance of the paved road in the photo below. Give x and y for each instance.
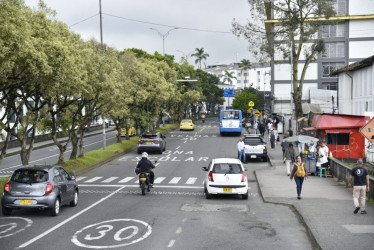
(49, 155)
(113, 214)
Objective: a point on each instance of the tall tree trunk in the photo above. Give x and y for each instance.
(61, 147)
(74, 143)
(4, 147)
(81, 143)
(26, 152)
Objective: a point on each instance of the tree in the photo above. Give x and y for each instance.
(243, 98)
(244, 65)
(228, 76)
(200, 56)
(290, 36)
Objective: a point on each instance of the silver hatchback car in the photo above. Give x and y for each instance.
(42, 187)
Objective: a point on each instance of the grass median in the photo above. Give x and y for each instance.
(100, 155)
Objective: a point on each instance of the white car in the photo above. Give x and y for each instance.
(225, 176)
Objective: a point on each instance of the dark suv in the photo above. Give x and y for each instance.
(151, 142)
(43, 187)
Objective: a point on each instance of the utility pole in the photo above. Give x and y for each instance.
(291, 60)
(102, 47)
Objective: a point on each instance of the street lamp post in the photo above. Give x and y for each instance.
(163, 36)
(102, 47)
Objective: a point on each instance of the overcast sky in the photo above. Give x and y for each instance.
(213, 15)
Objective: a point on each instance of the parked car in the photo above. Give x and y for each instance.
(123, 132)
(42, 187)
(186, 124)
(255, 147)
(225, 176)
(149, 142)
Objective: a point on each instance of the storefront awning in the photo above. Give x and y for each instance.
(309, 129)
(337, 131)
(333, 121)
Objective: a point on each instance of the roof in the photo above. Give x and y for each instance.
(338, 121)
(355, 66)
(226, 160)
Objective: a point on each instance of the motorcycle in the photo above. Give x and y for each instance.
(144, 181)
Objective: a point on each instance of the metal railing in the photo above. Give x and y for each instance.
(342, 172)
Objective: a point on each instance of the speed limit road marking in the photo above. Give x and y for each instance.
(121, 232)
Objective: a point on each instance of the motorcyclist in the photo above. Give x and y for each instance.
(203, 117)
(146, 166)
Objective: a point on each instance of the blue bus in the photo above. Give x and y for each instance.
(230, 121)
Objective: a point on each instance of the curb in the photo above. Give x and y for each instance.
(310, 234)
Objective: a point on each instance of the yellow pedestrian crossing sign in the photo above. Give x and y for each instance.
(257, 113)
(251, 104)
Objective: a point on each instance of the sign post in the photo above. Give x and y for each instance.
(368, 130)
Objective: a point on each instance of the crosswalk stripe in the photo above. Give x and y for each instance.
(159, 179)
(191, 180)
(109, 179)
(127, 179)
(175, 180)
(93, 179)
(81, 178)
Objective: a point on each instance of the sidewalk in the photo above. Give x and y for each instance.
(43, 144)
(326, 206)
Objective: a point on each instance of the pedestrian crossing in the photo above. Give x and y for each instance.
(134, 179)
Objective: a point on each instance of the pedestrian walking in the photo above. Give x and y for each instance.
(284, 144)
(255, 127)
(272, 139)
(270, 128)
(289, 156)
(262, 129)
(241, 151)
(323, 153)
(290, 132)
(299, 173)
(360, 186)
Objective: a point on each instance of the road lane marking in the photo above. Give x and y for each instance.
(158, 186)
(69, 219)
(127, 179)
(179, 230)
(81, 178)
(191, 180)
(175, 180)
(93, 179)
(159, 180)
(171, 243)
(110, 179)
(360, 229)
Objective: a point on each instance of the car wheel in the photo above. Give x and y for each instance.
(208, 196)
(265, 159)
(160, 151)
(74, 202)
(55, 210)
(139, 151)
(245, 196)
(6, 211)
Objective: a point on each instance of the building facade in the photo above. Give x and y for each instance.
(258, 77)
(348, 41)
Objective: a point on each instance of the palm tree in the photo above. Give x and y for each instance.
(244, 66)
(200, 56)
(228, 77)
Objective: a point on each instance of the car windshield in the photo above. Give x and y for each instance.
(227, 168)
(252, 141)
(30, 176)
(149, 136)
(186, 121)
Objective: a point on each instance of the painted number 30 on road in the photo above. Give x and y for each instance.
(112, 234)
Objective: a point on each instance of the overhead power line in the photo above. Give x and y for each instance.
(165, 25)
(83, 20)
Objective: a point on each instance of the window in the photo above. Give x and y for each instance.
(258, 76)
(56, 175)
(245, 74)
(339, 6)
(239, 74)
(230, 115)
(64, 174)
(338, 139)
(327, 68)
(239, 81)
(246, 81)
(330, 86)
(226, 168)
(333, 50)
(337, 30)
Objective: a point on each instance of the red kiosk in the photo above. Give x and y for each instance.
(341, 132)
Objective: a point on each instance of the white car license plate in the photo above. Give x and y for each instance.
(253, 156)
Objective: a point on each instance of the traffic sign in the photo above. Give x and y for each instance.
(251, 103)
(228, 93)
(368, 130)
(257, 113)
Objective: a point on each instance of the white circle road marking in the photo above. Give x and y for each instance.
(102, 229)
(7, 228)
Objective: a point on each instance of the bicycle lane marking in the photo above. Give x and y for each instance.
(67, 220)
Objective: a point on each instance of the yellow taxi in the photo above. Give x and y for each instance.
(123, 132)
(186, 124)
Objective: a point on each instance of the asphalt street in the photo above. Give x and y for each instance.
(111, 212)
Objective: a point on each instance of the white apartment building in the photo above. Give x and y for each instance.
(349, 41)
(258, 77)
